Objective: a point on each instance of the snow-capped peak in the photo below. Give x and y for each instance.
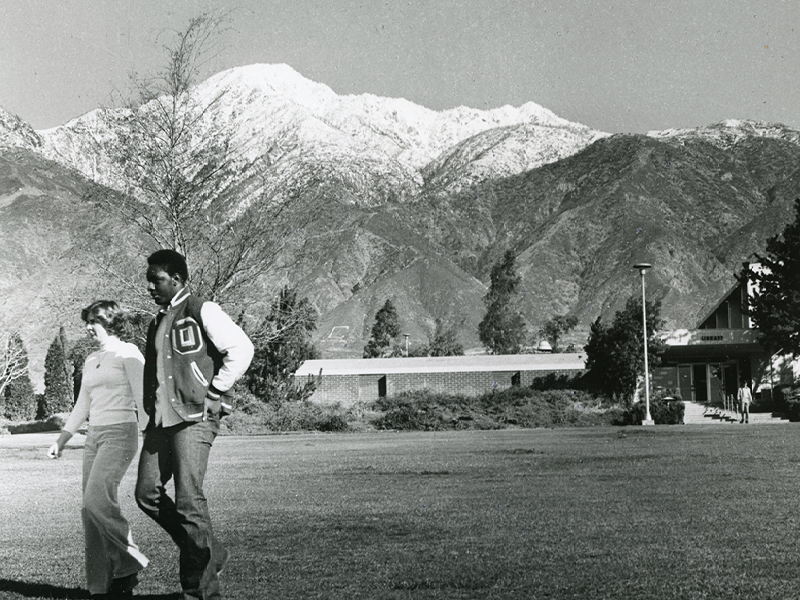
(14, 132)
(272, 112)
(268, 80)
(730, 131)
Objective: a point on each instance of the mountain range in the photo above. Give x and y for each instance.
(424, 202)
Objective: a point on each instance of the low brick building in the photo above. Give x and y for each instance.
(348, 381)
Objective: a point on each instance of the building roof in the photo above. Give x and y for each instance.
(444, 364)
(707, 314)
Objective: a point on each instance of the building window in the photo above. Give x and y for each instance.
(382, 387)
(516, 379)
(723, 316)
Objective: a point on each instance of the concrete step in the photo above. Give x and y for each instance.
(696, 413)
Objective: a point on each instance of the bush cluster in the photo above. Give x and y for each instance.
(514, 407)
(786, 401)
(253, 416)
(53, 423)
(662, 410)
(551, 381)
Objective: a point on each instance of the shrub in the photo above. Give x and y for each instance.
(252, 416)
(785, 398)
(53, 423)
(249, 416)
(791, 401)
(332, 422)
(294, 417)
(305, 416)
(425, 411)
(663, 412)
(551, 381)
(515, 407)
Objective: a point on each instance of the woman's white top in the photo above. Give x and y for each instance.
(111, 387)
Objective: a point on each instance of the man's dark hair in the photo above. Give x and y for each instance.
(173, 263)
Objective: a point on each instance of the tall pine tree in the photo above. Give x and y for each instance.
(58, 387)
(384, 332)
(503, 329)
(282, 343)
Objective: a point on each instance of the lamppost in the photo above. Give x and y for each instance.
(648, 420)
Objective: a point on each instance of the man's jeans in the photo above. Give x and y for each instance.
(181, 452)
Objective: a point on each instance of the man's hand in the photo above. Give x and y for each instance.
(54, 451)
(212, 407)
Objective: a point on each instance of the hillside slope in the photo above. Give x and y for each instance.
(413, 205)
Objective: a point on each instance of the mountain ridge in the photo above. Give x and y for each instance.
(418, 210)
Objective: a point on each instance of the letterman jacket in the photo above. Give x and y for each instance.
(191, 361)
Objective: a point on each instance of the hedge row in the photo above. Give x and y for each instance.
(514, 407)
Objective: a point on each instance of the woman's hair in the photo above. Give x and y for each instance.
(108, 314)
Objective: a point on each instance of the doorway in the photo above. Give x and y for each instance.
(700, 383)
(685, 382)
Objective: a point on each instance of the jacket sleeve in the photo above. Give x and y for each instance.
(231, 341)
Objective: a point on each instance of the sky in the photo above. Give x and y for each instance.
(624, 66)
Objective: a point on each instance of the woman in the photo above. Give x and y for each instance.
(111, 397)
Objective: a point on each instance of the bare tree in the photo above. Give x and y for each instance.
(13, 360)
(189, 182)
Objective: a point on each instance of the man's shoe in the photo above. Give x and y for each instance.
(122, 587)
(187, 596)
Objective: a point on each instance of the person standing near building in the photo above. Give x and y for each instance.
(111, 398)
(194, 355)
(745, 397)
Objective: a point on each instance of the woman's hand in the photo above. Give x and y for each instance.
(54, 451)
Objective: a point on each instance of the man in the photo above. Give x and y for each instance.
(745, 397)
(194, 355)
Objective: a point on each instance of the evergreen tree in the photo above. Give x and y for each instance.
(58, 387)
(384, 332)
(444, 342)
(553, 329)
(19, 403)
(615, 354)
(503, 329)
(775, 304)
(17, 400)
(282, 343)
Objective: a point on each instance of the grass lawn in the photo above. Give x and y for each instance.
(678, 512)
